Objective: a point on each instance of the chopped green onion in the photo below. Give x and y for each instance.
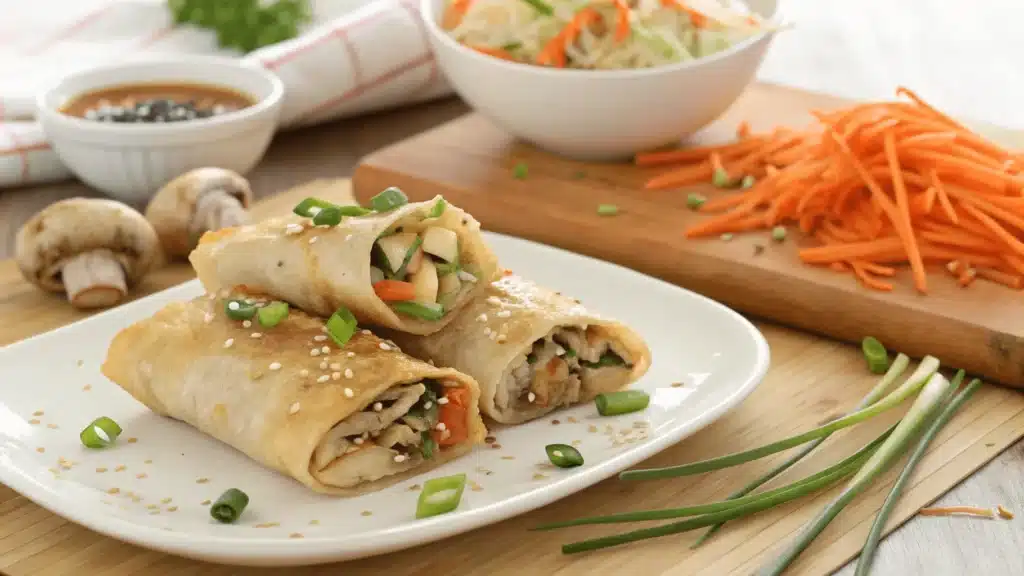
(606, 359)
(427, 445)
(564, 455)
(779, 233)
(239, 309)
(875, 354)
(695, 201)
(622, 402)
(328, 217)
(272, 314)
(100, 433)
(229, 505)
(748, 182)
(438, 208)
(520, 171)
(531, 358)
(921, 412)
(910, 386)
(607, 209)
(726, 236)
(871, 544)
(570, 353)
(352, 210)
(512, 46)
(389, 199)
(720, 179)
(440, 495)
(419, 310)
(311, 207)
(541, 6)
(400, 273)
(341, 326)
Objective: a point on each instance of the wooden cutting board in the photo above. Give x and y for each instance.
(810, 379)
(470, 161)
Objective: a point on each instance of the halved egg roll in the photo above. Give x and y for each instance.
(533, 350)
(408, 268)
(341, 420)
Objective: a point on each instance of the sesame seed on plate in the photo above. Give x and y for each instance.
(325, 349)
(256, 335)
(504, 314)
(335, 366)
(377, 406)
(531, 397)
(314, 352)
(323, 378)
(556, 453)
(320, 338)
(427, 405)
(559, 351)
(350, 354)
(294, 408)
(335, 375)
(293, 228)
(313, 239)
(358, 441)
(501, 339)
(205, 503)
(494, 300)
(366, 332)
(481, 318)
(442, 400)
(323, 365)
(400, 458)
(384, 346)
(233, 305)
(441, 426)
(275, 366)
(349, 393)
(246, 323)
(229, 342)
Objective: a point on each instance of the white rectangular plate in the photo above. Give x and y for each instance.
(153, 487)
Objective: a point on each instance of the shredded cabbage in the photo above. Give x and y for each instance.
(558, 33)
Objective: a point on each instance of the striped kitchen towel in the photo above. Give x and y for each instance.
(358, 56)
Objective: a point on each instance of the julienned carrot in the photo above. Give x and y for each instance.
(877, 185)
(553, 53)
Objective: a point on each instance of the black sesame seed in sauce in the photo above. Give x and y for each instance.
(154, 111)
(156, 103)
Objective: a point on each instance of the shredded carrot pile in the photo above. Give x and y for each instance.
(876, 185)
(958, 511)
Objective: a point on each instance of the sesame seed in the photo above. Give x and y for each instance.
(365, 332)
(293, 228)
(233, 305)
(313, 239)
(314, 352)
(427, 405)
(494, 300)
(350, 354)
(320, 338)
(442, 400)
(556, 453)
(502, 339)
(358, 441)
(400, 458)
(256, 335)
(441, 426)
(294, 408)
(325, 349)
(229, 342)
(335, 375)
(504, 314)
(323, 378)
(303, 372)
(323, 365)
(275, 366)
(384, 346)
(481, 318)
(377, 406)
(349, 393)
(559, 351)
(531, 397)
(246, 323)
(349, 374)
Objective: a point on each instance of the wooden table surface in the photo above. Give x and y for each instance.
(921, 546)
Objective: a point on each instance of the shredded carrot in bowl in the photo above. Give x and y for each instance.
(876, 185)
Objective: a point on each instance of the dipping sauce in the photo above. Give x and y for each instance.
(156, 103)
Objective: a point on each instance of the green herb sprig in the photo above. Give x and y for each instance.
(244, 24)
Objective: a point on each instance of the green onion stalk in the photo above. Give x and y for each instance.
(932, 396)
(899, 365)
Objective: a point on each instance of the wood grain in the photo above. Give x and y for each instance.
(470, 161)
(805, 373)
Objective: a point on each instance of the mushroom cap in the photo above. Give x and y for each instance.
(171, 209)
(77, 225)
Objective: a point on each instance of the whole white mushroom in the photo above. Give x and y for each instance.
(91, 249)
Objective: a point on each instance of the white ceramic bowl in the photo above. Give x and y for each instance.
(599, 114)
(132, 161)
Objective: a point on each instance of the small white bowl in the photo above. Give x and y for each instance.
(132, 161)
(599, 114)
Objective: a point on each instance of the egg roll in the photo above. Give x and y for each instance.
(408, 269)
(533, 350)
(343, 420)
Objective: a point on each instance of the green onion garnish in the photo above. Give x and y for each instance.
(100, 433)
(564, 455)
(427, 445)
(239, 309)
(607, 209)
(389, 199)
(695, 201)
(311, 206)
(748, 182)
(541, 6)
(875, 354)
(229, 505)
(512, 46)
(438, 208)
(720, 179)
(531, 358)
(400, 273)
(440, 495)
(520, 171)
(352, 210)
(419, 310)
(622, 402)
(330, 216)
(606, 359)
(341, 326)
(272, 314)
(779, 233)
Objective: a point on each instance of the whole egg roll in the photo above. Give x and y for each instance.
(533, 350)
(341, 420)
(409, 269)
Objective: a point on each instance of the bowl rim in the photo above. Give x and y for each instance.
(268, 103)
(426, 8)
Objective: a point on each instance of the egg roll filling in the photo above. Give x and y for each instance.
(396, 431)
(569, 364)
(420, 269)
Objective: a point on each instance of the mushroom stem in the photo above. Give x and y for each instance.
(215, 210)
(94, 280)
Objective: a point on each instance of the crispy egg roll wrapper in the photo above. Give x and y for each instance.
(270, 257)
(267, 397)
(493, 335)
